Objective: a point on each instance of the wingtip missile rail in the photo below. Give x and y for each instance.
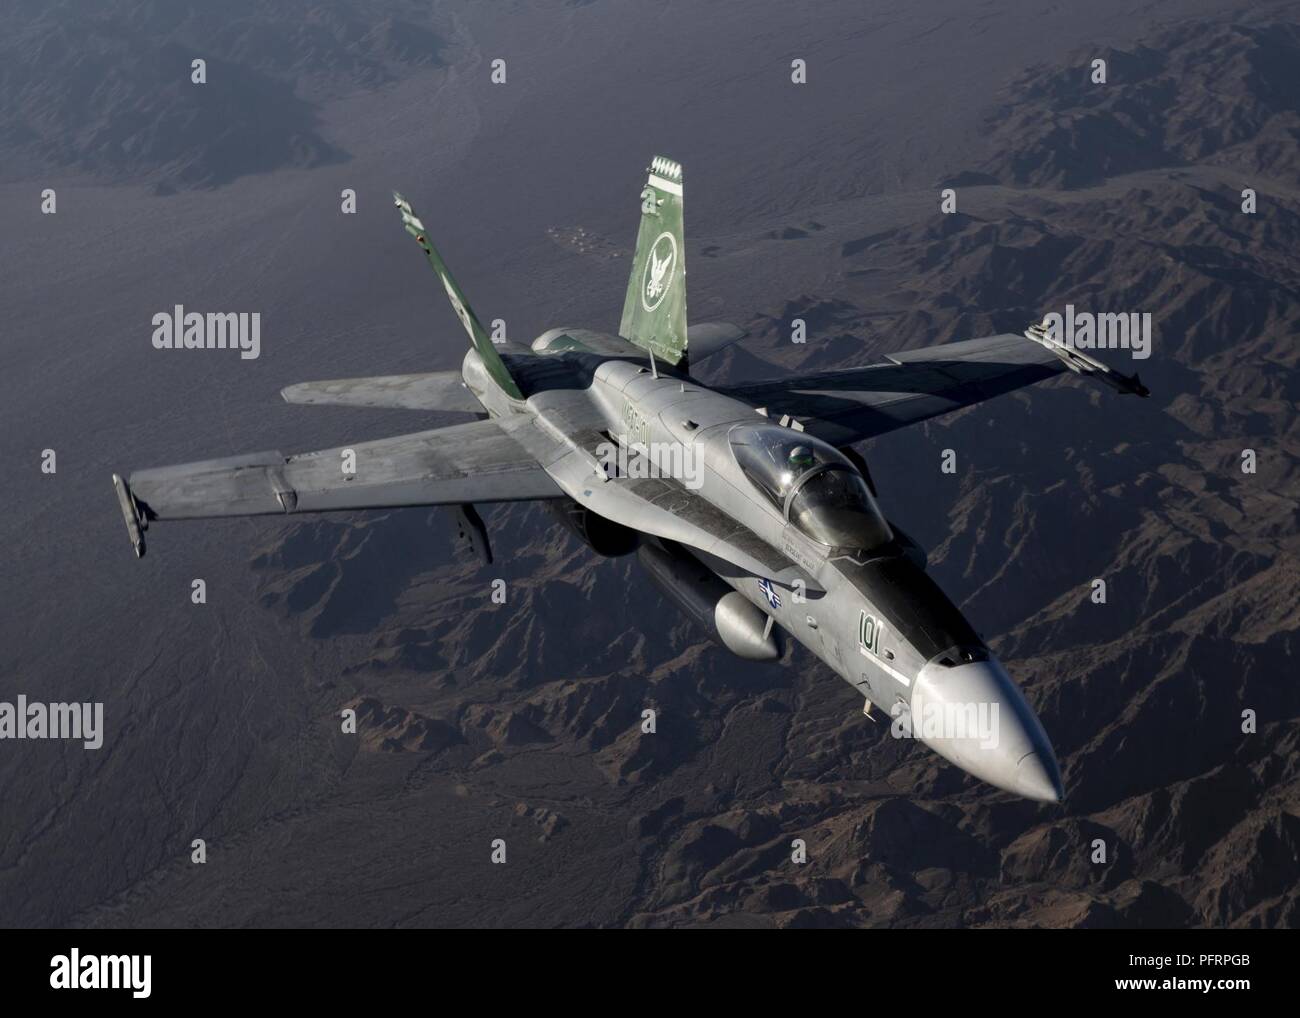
(135, 524)
(1083, 364)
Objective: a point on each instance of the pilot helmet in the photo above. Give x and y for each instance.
(800, 459)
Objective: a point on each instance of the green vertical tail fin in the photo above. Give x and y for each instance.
(654, 311)
(481, 341)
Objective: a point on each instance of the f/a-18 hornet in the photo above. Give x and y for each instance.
(747, 504)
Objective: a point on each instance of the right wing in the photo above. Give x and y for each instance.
(846, 406)
(475, 462)
(437, 390)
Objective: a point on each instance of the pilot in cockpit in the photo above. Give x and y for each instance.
(800, 460)
(814, 486)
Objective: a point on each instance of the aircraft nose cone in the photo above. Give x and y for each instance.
(1039, 778)
(973, 715)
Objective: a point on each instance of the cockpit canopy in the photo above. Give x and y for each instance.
(812, 485)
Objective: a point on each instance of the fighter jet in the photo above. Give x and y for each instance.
(746, 503)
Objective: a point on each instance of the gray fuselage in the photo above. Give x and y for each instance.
(873, 615)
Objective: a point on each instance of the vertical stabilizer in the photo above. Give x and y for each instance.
(654, 311)
(478, 337)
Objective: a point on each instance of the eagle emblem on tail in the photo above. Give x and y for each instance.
(658, 271)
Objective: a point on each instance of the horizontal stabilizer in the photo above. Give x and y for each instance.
(707, 338)
(438, 390)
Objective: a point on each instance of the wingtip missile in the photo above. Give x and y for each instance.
(1082, 363)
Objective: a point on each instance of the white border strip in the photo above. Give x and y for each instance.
(672, 187)
(874, 659)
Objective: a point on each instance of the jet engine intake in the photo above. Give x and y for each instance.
(605, 537)
(909, 547)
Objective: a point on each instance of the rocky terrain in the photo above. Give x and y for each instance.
(522, 721)
(108, 88)
(1224, 95)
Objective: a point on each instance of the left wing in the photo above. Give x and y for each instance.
(847, 406)
(475, 462)
(437, 390)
